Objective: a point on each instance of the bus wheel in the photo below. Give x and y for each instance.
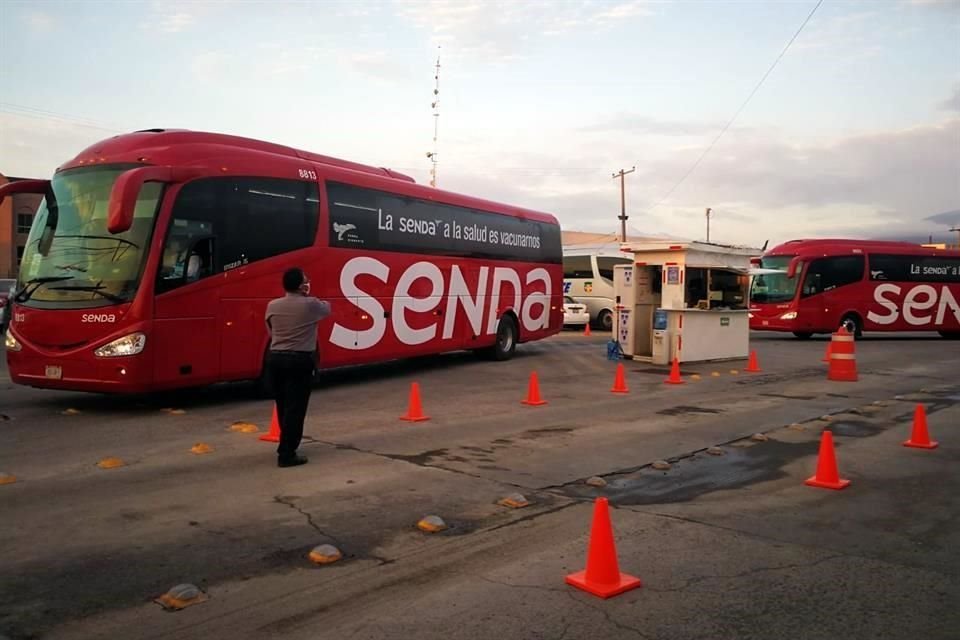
(803, 335)
(506, 343)
(605, 320)
(950, 335)
(851, 322)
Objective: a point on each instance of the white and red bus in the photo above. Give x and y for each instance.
(816, 286)
(153, 256)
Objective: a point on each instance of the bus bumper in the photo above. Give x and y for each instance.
(99, 375)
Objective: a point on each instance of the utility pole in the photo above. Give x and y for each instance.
(708, 223)
(623, 202)
(432, 155)
(957, 230)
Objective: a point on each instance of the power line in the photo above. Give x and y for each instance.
(43, 114)
(739, 111)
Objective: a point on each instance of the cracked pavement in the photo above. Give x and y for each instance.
(730, 546)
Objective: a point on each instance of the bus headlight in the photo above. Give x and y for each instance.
(11, 343)
(129, 345)
(790, 315)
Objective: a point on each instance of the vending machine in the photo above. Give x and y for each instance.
(636, 296)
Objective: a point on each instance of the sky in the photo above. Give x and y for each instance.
(855, 132)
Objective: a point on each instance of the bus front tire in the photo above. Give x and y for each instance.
(605, 320)
(803, 335)
(852, 323)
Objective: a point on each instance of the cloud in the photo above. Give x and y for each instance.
(209, 66)
(504, 30)
(939, 4)
(953, 102)
(633, 123)
(39, 21)
(178, 16)
(32, 147)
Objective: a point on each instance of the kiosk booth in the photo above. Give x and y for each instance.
(688, 300)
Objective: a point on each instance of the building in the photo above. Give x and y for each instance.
(16, 216)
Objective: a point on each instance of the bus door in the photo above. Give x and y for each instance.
(184, 334)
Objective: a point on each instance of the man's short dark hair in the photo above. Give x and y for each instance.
(292, 279)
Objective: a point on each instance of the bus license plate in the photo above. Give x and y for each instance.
(54, 372)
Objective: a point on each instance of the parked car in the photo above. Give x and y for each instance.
(574, 313)
(6, 292)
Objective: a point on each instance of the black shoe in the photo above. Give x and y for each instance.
(295, 461)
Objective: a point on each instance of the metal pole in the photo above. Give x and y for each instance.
(708, 224)
(623, 202)
(957, 229)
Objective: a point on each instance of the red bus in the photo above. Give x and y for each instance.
(816, 286)
(153, 255)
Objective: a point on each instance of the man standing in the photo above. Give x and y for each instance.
(292, 322)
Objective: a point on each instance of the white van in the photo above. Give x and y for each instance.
(588, 279)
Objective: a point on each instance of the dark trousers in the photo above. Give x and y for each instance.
(291, 375)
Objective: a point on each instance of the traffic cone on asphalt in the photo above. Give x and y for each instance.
(828, 476)
(602, 576)
(920, 437)
(586, 329)
(620, 381)
(415, 409)
(843, 358)
(675, 373)
(826, 356)
(533, 392)
(274, 434)
(752, 366)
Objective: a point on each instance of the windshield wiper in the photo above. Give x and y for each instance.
(25, 292)
(97, 289)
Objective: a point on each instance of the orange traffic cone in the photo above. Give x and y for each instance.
(533, 392)
(274, 434)
(843, 358)
(826, 356)
(752, 365)
(827, 477)
(415, 410)
(586, 329)
(620, 381)
(602, 576)
(675, 373)
(920, 437)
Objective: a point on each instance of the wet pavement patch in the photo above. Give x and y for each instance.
(702, 474)
(685, 410)
(855, 428)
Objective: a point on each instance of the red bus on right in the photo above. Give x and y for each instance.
(816, 286)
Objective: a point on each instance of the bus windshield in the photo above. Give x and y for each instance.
(775, 287)
(70, 259)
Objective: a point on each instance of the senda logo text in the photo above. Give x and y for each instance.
(98, 317)
(480, 301)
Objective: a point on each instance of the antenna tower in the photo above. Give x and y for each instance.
(436, 120)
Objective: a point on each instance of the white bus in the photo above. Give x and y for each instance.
(588, 279)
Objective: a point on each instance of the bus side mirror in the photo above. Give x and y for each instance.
(792, 267)
(123, 195)
(24, 186)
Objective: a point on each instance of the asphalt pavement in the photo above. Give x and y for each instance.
(729, 543)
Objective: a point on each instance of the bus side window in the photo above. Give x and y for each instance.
(826, 274)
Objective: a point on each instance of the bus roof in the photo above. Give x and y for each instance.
(181, 147)
(833, 246)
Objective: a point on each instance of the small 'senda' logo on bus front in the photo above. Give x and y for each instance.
(341, 229)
